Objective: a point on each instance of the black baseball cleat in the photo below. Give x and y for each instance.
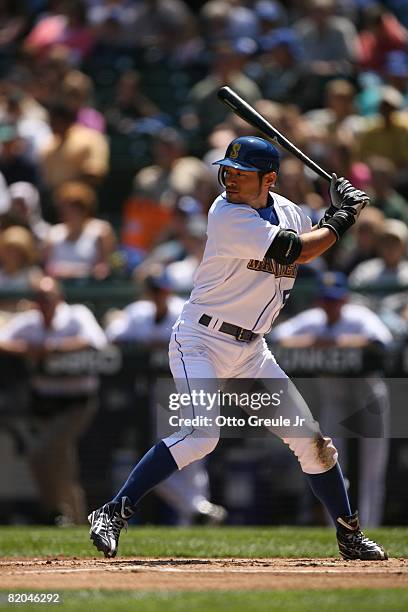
(107, 523)
(352, 542)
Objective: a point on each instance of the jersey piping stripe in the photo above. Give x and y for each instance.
(263, 310)
(189, 390)
(274, 316)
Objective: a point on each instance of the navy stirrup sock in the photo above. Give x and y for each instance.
(156, 465)
(330, 488)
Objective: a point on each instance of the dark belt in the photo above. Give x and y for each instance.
(239, 333)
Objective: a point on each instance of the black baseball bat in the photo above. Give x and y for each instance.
(251, 116)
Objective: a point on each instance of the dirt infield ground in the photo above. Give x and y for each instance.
(199, 574)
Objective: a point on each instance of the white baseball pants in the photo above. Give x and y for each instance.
(200, 357)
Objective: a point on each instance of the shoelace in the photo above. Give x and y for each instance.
(361, 538)
(117, 524)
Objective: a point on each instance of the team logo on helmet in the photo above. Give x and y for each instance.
(251, 154)
(235, 150)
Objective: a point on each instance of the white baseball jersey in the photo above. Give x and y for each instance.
(137, 322)
(355, 319)
(69, 321)
(235, 282)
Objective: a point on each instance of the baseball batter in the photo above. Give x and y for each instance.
(255, 241)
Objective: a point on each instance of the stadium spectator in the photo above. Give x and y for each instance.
(279, 72)
(155, 19)
(190, 177)
(18, 269)
(182, 251)
(339, 113)
(63, 404)
(389, 270)
(242, 22)
(13, 23)
(292, 123)
(382, 189)
(18, 256)
(65, 25)
(399, 8)
(25, 210)
(215, 20)
(329, 45)
(342, 159)
(381, 32)
(15, 164)
(271, 15)
(74, 153)
(337, 323)
(148, 211)
(169, 147)
(148, 320)
(18, 110)
(47, 74)
(366, 234)
(396, 72)
(77, 92)
(181, 273)
(105, 16)
(81, 245)
(204, 110)
(130, 102)
(385, 135)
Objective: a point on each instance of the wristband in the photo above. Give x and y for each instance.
(328, 214)
(340, 222)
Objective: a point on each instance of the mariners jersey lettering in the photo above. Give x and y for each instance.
(235, 282)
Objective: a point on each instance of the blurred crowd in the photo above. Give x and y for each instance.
(110, 122)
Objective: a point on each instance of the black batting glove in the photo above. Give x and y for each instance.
(340, 222)
(343, 197)
(335, 200)
(354, 200)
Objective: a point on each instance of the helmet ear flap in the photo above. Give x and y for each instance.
(221, 175)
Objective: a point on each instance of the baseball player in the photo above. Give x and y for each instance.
(255, 241)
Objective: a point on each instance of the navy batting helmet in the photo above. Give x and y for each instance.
(251, 154)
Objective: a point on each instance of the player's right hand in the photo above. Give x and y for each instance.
(353, 200)
(338, 186)
(335, 196)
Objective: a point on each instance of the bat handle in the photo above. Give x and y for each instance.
(283, 142)
(319, 170)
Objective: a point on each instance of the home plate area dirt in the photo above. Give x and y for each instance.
(199, 574)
